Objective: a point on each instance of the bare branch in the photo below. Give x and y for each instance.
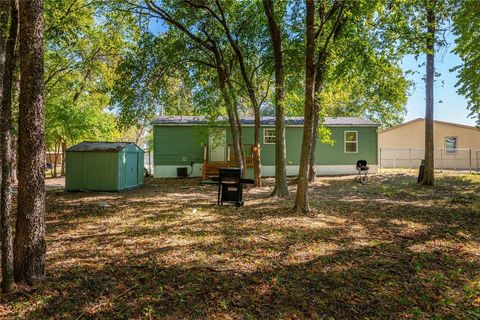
(172, 21)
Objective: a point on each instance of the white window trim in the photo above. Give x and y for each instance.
(264, 141)
(345, 141)
(445, 144)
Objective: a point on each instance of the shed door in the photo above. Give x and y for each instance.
(131, 169)
(217, 142)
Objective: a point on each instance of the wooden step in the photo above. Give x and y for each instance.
(211, 169)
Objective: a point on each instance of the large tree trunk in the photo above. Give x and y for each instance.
(301, 200)
(281, 186)
(3, 33)
(232, 119)
(6, 235)
(238, 125)
(4, 12)
(251, 95)
(428, 178)
(257, 167)
(319, 78)
(30, 247)
(312, 166)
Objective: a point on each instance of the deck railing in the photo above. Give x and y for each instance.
(247, 149)
(230, 161)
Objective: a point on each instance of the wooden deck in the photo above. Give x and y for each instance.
(211, 168)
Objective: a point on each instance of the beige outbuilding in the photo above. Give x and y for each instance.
(457, 146)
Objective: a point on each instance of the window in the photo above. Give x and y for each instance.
(450, 144)
(268, 136)
(351, 141)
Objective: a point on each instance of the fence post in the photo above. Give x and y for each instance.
(149, 162)
(470, 153)
(410, 158)
(476, 158)
(455, 161)
(441, 160)
(380, 161)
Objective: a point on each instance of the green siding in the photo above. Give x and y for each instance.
(333, 155)
(104, 171)
(174, 142)
(95, 171)
(178, 145)
(326, 154)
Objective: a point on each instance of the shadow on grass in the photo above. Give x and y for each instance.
(389, 249)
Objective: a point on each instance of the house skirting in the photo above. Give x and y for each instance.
(267, 171)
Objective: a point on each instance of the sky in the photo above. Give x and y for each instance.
(453, 107)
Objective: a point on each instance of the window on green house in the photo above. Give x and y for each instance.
(268, 136)
(450, 144)
(351, 141)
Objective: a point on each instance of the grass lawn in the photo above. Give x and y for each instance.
(387, 250)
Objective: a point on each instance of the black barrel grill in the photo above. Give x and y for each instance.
(230, 186)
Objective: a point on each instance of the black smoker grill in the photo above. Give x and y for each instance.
(230, 186)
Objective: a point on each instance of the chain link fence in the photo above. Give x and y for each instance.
(410, 158)
(148, 161)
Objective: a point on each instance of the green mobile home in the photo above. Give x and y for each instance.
(202, 146)
(104, 166)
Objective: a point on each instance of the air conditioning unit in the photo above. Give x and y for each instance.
(182, 172)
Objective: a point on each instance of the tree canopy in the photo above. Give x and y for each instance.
(84, 43)
(111, 67)
(466, 22)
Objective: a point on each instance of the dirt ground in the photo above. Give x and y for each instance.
(389, 249)
(50, 184)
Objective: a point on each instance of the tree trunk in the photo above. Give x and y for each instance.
(3, 33)
(251, 95)
(238, 125)
(4, 12)
(232, 119)
(212, 45)
(82, 86)
(257, 167)
(428, 178)
(14, 147)
(257, 174)
(281, 186)
(139, 134)
(312, 167)
(64, 148)
(301, 200)
(56, 151)
(30, 247)
(7, 153)
(319, 78)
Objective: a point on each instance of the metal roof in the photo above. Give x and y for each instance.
(97, 146)
(289, 121)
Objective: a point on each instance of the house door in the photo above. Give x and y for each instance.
(217, 142)
(132, 169)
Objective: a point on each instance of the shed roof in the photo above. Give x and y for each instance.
(289, 121)
(99, 146)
